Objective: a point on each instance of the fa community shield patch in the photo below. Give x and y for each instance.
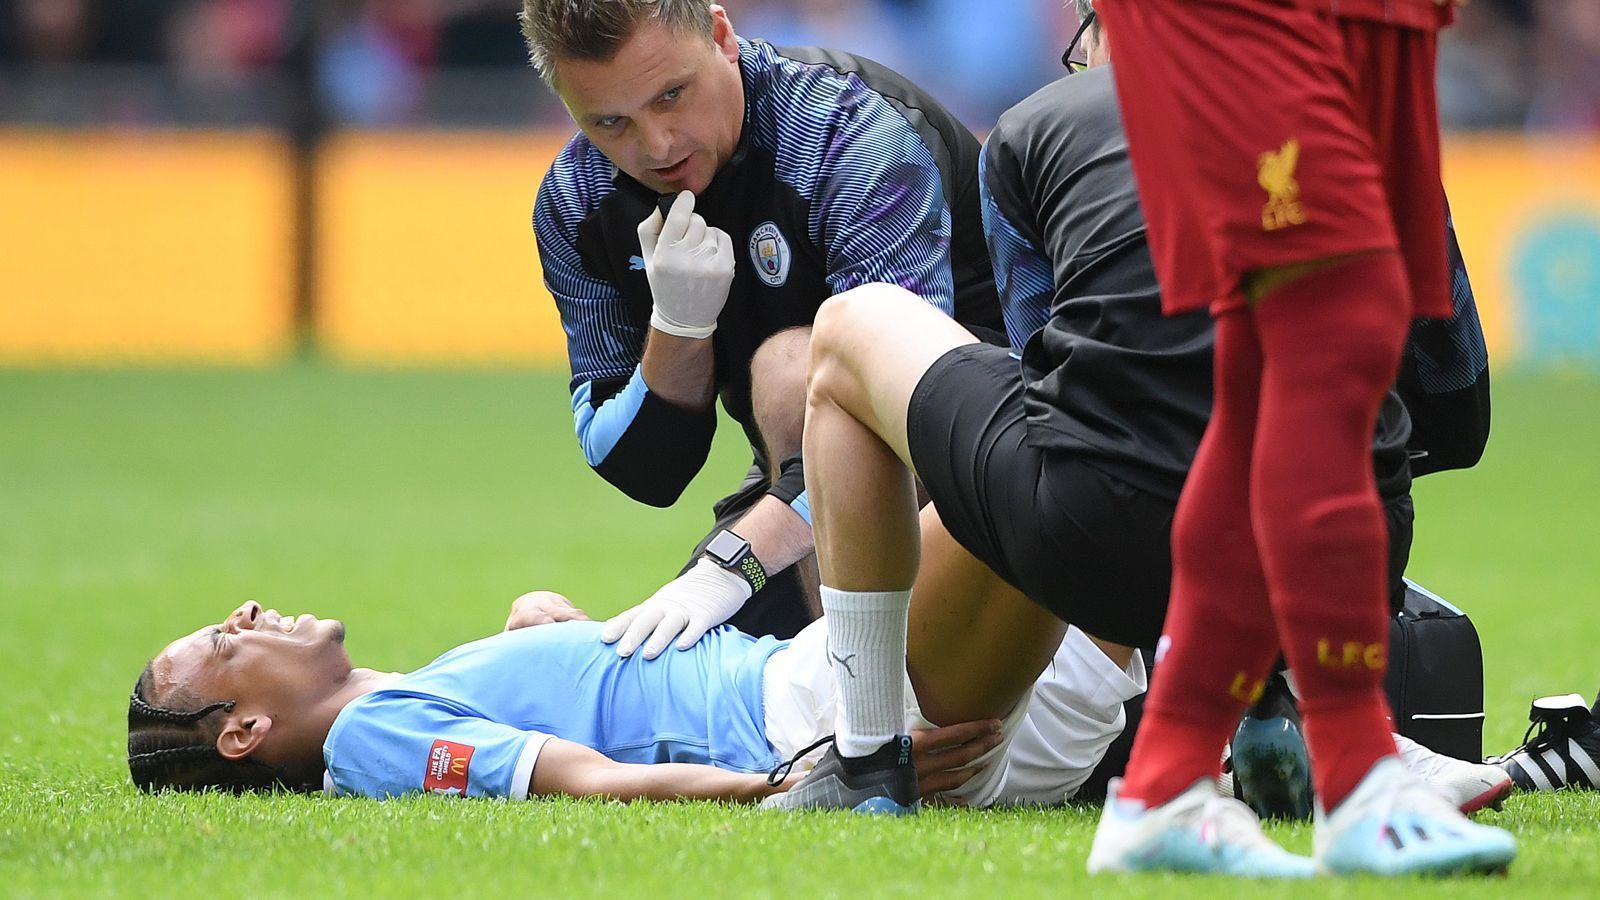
(769, 250)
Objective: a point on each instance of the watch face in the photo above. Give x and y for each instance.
(726, 546)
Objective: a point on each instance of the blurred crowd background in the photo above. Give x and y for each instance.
(1509, 64)
(353, 178)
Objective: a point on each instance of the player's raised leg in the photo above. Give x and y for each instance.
(975, 644)
(864, 515)
(894, 385)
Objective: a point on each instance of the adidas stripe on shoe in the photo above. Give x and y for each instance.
(1560, 750)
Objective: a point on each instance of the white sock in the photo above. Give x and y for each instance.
(867, 650)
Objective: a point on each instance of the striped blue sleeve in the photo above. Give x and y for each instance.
(1023, 275)
(644, 446)
(602, 340)
(887, 219)
(603, 343)
(877, 203)
(1450, 355)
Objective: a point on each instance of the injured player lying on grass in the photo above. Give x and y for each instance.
(262, 701)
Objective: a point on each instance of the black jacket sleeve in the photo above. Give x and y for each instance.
(660, 451)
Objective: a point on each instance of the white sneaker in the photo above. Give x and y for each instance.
(1469, 786)
(1196, 831)
(1393, 824)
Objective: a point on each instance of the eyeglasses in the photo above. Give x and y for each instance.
(1073, 65)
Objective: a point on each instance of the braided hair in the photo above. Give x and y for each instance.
(174, 749)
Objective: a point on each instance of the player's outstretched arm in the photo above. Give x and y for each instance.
(942, 757)
(577, 771)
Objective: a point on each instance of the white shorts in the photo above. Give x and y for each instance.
(1074, 714)
(1052, 739)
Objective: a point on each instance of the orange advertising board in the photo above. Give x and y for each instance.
(144, 246)
(426, 249)
(179, 246)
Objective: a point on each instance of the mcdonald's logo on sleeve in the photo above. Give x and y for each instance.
(447, 768)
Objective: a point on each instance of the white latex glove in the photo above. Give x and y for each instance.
(690, 267)
(686, 608)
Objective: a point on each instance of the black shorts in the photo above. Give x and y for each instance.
(1079, 541)
(1083, 543)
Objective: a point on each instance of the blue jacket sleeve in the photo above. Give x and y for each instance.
(879, 210)
(1023, 275)
(397, 745)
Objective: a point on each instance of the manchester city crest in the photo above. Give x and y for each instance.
(769, 250)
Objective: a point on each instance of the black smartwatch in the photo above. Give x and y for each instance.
(732, 552)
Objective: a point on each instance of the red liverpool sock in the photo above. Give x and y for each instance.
(1219, 637)
(1331, 344)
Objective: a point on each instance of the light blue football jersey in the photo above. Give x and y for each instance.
(472, 721)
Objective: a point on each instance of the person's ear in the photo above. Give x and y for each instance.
(722, 34)
(241, 736)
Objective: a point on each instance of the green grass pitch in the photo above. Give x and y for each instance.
(138, 505)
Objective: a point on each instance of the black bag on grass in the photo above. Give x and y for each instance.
(1435, 678)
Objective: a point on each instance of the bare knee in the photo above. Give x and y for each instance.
(779, 364)
(852, 317)
(845, 328)
(778, 390)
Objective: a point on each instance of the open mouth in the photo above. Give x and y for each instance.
(674, 171)
(286, 623)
